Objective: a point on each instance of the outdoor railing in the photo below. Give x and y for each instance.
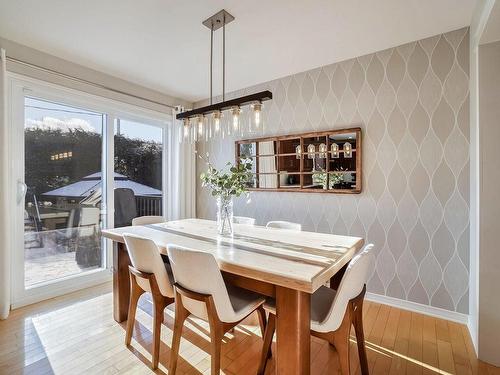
(147, 205)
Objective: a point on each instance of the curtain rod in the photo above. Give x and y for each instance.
(84, 81)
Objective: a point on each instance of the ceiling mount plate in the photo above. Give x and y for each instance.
(218, 20)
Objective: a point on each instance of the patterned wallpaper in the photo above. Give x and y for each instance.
(412, 103)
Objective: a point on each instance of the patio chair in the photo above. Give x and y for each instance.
(125, 207)
(89, 254)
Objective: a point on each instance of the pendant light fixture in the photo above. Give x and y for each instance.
(298, 152)
(236, 119)
(335, 150)
(322, 151)
(232, 109)
(347, 150)
(311, 151)
(216, 119)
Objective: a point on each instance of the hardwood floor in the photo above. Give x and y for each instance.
(76, 334)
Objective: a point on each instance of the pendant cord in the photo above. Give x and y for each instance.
(211, 59)
(224, 59)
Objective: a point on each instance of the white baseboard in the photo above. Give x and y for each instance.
(419, 308)
(70, 285)
(471, 326)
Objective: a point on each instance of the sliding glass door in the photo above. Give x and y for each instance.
(80, 164)
(138, 171)
(63, 176)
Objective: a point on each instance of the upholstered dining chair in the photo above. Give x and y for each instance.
(148, 273)
(333, 312)
(206, 296)
(284, 225)
(243, 220)
(145, 220)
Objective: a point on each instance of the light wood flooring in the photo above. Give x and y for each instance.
(76, 334)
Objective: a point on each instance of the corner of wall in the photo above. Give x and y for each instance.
(478, 24)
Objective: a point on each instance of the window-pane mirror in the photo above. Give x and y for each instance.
(327, 161)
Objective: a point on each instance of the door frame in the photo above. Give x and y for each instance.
(20, 86)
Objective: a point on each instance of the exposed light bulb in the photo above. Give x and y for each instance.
(322, 151)
(311, 151)
(185, 128)
(200, 126)
(236, 118)
(335, 150)
(298, 152)
(347, 150)
(216, 121)
(257, 108)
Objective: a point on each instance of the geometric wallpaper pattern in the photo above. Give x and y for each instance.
(412, 103)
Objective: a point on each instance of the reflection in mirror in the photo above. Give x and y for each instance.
(341, 180)
(252, 182)
(289, 146)
(267, 165)
(289, 180)
(342, 163)
(267, 148)
(253, 163)
(289, 163)
(324, 161)
(248, 149)
(290, 155)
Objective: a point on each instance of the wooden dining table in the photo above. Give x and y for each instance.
(280, 263)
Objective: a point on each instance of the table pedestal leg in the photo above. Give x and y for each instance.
(121, 282)
(293, 331)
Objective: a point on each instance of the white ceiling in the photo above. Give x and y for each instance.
(161, 44)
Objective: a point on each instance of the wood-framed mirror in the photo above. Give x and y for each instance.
(319, 162)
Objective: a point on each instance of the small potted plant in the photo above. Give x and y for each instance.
(320, 178)
(224, 185)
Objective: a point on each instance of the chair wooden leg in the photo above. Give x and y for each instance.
(180, 316)
(357, 320)
(215, 346)
(340, 339)
(135, 294)
(262, 320)
(266, 346)
(158, 308)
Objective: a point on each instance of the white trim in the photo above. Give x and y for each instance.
(51, 91)
(70, 285)
(18, 87)
(472, 328)
(478, 24)
(419, 308)
(108, 170)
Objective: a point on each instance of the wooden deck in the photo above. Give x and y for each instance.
(76, 334)
(50, 255)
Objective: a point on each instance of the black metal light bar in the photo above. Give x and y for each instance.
(228, 104)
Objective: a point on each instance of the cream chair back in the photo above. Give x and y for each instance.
(199, 272)
(284, 225)
(351, 285)
(88, 224)
(243, 220)
(145, 257)
(145, 220)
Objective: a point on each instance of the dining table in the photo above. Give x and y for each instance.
(283, 264)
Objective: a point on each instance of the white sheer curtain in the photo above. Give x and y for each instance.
(267, 164)
(4, 218)
(181, 174)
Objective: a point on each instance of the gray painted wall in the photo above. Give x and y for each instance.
(412, 103)
(489, 251)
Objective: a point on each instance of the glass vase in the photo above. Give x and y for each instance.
(225, 215)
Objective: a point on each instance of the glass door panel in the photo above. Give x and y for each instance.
(62, 172)
(138, 165)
